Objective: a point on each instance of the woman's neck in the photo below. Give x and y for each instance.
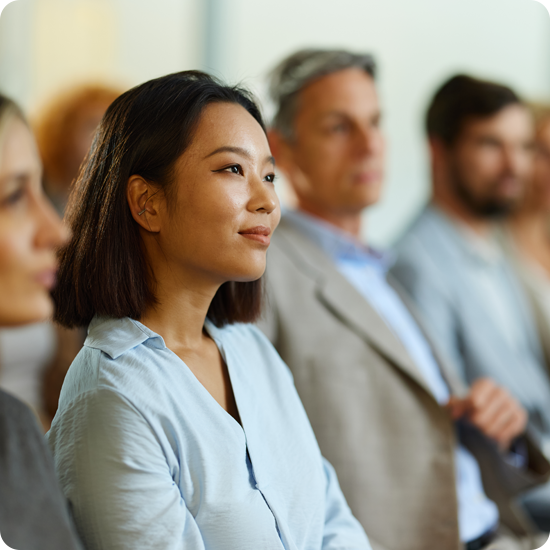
(180, 312)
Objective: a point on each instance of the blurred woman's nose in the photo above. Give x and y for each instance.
(52, 233)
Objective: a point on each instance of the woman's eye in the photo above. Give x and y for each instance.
(235, 169)
(270, 178)
(14, 197)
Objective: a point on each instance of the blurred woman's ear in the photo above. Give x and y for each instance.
(143, 201)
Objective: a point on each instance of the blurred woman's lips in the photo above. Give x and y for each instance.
(47, 278)
(259, 234)
(367, 177)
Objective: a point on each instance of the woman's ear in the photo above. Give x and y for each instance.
(143, 200)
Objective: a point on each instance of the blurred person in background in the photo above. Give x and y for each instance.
(33, 511)
(481, 144)
(64, 130)
(527, 238)
(179, 426)
(408, 442)
(34, 359)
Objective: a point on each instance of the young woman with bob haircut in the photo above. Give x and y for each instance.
(33, 512)
(179, 427)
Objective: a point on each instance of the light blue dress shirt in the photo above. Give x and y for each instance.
(150, 460)
(366, 270)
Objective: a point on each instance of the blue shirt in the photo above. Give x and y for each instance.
(473, 305)
(366, 270)
(149, 459)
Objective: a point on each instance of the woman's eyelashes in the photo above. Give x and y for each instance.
(233, 169)
(238, 169)
(14, 196)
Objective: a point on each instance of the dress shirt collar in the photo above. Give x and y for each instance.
(117, 336)
(337, 244)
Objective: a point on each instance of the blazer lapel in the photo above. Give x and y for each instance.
(343, 301)
(456, 386)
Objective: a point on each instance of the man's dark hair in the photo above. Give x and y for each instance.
(464, 97)
(103, 269)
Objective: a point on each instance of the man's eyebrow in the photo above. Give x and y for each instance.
(327, 114)
(343, 114)
(239, 151)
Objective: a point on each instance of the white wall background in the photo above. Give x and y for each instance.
(46, 45)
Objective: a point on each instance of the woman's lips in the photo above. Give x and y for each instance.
(259, 234)
(47, 278)
(368, 177)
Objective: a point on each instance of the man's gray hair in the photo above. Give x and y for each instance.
(298, 70)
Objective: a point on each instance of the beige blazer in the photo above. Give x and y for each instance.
(373, 414)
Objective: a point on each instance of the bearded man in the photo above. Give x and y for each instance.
(480, 136)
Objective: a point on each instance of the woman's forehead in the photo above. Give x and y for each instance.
(18, 150)
(228, 124)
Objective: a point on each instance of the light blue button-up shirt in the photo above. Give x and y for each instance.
(150, 460)
(366, 270)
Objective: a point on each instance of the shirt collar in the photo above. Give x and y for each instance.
(337, 244)
(117, 336)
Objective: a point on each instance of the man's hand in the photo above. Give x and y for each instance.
(492, 410)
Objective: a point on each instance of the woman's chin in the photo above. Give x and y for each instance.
(26, 313)
(248, 277)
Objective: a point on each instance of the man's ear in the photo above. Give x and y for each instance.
(438, 150)
(441, 155)
(144, 202)
(280, 150)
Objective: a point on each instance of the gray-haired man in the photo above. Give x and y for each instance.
(408, 455)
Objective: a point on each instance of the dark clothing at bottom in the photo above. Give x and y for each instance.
(33, 510)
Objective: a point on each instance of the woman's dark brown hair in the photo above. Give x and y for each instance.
(103, 269)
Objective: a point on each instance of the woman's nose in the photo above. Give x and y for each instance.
(263, 197)
(52, 233)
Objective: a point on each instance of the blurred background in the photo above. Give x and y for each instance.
(49, 46)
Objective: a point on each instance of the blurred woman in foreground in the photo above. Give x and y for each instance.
(33, 513)
(527, 240)
(35, 358)
(64, 131)
(179, 426)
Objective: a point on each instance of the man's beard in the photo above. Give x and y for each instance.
(488, 205)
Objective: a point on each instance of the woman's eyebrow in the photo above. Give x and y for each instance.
(18, 178)
(238, 151)
(230, 149)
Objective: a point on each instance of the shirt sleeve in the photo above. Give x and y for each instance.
(342, 530)
(114, 471)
